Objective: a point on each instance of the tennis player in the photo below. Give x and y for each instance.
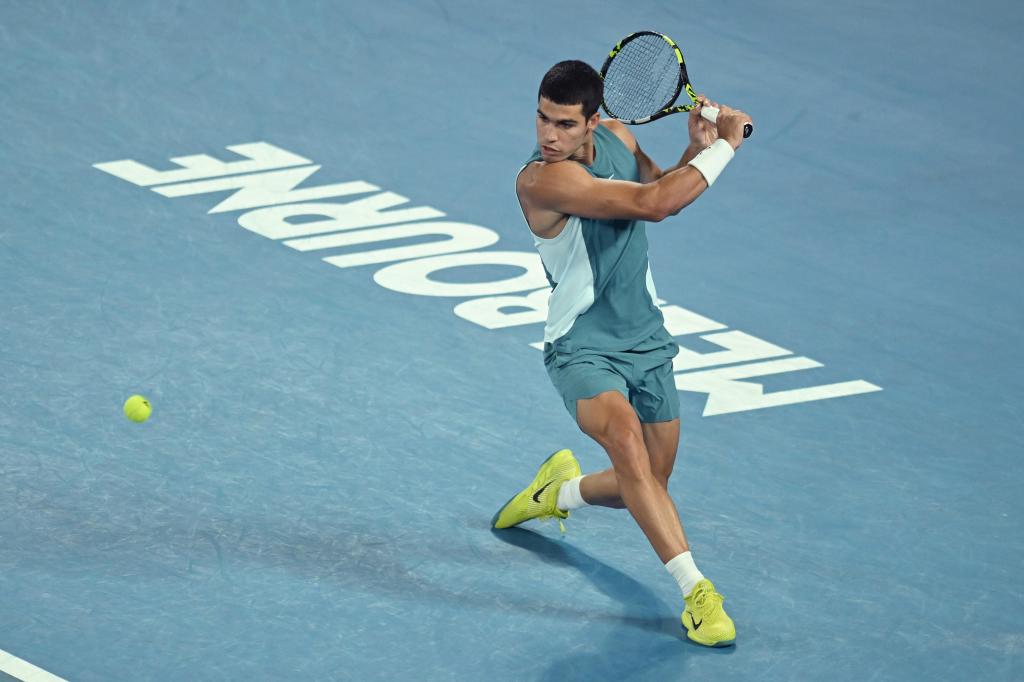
(586, 192)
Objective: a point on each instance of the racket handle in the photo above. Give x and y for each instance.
(711, 114)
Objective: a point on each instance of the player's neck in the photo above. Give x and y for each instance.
(587, 153)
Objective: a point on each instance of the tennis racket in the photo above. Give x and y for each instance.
(644, 75)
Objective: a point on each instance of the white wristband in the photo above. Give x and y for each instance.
(712, 160)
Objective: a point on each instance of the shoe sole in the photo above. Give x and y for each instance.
(494, 519)
(716, 645)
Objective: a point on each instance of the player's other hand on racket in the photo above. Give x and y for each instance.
(702, 131)
(730, 125)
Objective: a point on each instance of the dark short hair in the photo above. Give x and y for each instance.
(573, 82)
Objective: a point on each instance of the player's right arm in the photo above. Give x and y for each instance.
(566, 188)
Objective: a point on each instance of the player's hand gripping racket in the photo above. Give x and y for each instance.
(644, 75)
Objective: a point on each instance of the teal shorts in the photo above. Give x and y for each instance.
(642, 375)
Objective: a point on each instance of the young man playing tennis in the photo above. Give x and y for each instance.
(585, 193)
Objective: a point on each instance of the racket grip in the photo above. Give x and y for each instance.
(711, 114)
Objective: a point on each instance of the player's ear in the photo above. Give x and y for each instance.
(593, 121)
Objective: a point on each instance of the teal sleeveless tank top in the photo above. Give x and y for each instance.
(603, 296)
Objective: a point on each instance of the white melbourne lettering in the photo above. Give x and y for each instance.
(489, 311)
(727, 394)
(265, 185)
(741, 348)
(20, 669)
(265, 189)
(461, 237)
(273, 222)
(262, 156)
(411, 277)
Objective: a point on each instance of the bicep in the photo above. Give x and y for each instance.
(572, 191)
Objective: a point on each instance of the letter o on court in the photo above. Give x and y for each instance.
(413, 277)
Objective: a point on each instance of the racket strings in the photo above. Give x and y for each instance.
(642, 79)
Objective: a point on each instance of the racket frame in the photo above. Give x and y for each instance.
(670, 106)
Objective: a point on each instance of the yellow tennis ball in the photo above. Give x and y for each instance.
(137, 409)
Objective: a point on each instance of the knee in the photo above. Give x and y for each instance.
(622, 438)
(628, 454)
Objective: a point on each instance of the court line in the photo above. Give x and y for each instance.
(25, 671)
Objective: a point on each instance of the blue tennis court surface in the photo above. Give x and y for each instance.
(341, 357)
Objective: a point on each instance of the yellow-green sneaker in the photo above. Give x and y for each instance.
(704, 619)
(539, 499)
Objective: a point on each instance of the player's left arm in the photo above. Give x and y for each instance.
(702, 132)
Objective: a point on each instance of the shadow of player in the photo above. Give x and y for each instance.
(626, 654)
(637, 600)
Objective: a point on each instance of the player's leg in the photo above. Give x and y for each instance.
(610, 420)
(641, 466)
(555, 490)
(662, 441)
(656, 401)
(601, 488)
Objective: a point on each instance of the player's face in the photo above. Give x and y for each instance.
(561, 129)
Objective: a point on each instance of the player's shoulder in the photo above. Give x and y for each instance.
(540, 173)
(621, 131)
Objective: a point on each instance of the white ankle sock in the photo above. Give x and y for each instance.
(569, 496)
(685, 572)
